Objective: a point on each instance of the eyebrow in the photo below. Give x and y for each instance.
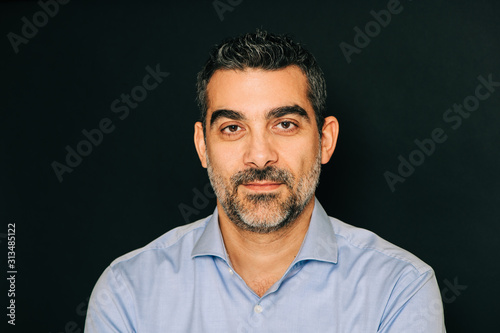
(286, 110)
(230, 114)
(273, 113)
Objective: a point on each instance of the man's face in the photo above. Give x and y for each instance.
(262, 148)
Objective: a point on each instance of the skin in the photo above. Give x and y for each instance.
(255, 140)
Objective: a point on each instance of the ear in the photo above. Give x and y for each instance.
(199, 143)
(330, 132)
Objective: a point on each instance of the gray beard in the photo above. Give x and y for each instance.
(267, 212)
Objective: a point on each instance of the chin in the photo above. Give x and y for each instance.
(264, 214)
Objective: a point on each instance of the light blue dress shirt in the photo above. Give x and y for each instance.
(344, 279)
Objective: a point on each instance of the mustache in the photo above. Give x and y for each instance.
(270, 173)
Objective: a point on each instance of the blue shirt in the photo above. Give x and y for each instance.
(344, 279)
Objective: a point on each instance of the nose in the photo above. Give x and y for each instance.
(260, 151)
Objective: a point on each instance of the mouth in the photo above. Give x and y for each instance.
(262, 186)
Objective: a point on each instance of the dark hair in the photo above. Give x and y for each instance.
(269, 52)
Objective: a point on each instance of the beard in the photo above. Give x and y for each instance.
(265, 212)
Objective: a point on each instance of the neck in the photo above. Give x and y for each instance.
(255, 255)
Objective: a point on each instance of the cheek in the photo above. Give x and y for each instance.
(299, 155)
(223, 161)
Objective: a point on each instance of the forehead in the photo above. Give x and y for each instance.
(256, 90)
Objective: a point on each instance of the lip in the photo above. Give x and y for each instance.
(262, 186)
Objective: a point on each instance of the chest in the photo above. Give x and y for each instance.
(261, 285)
(261, 281)
(219, 300)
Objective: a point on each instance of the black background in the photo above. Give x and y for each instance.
(129, 189)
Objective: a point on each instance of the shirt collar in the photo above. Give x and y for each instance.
(319, 243)
(210, 243)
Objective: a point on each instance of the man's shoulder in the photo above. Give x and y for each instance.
(366, 242)
(171, 239)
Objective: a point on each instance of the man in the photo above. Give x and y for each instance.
(269, 259)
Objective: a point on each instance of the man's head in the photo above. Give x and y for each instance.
(259, 137)
(268, 52)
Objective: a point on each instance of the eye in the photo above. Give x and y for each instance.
(231, 129)
(286, 125)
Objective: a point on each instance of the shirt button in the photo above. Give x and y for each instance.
(258, 308)
(230, 271)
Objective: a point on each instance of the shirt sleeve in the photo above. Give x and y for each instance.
(111, 305)
(415, 306)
